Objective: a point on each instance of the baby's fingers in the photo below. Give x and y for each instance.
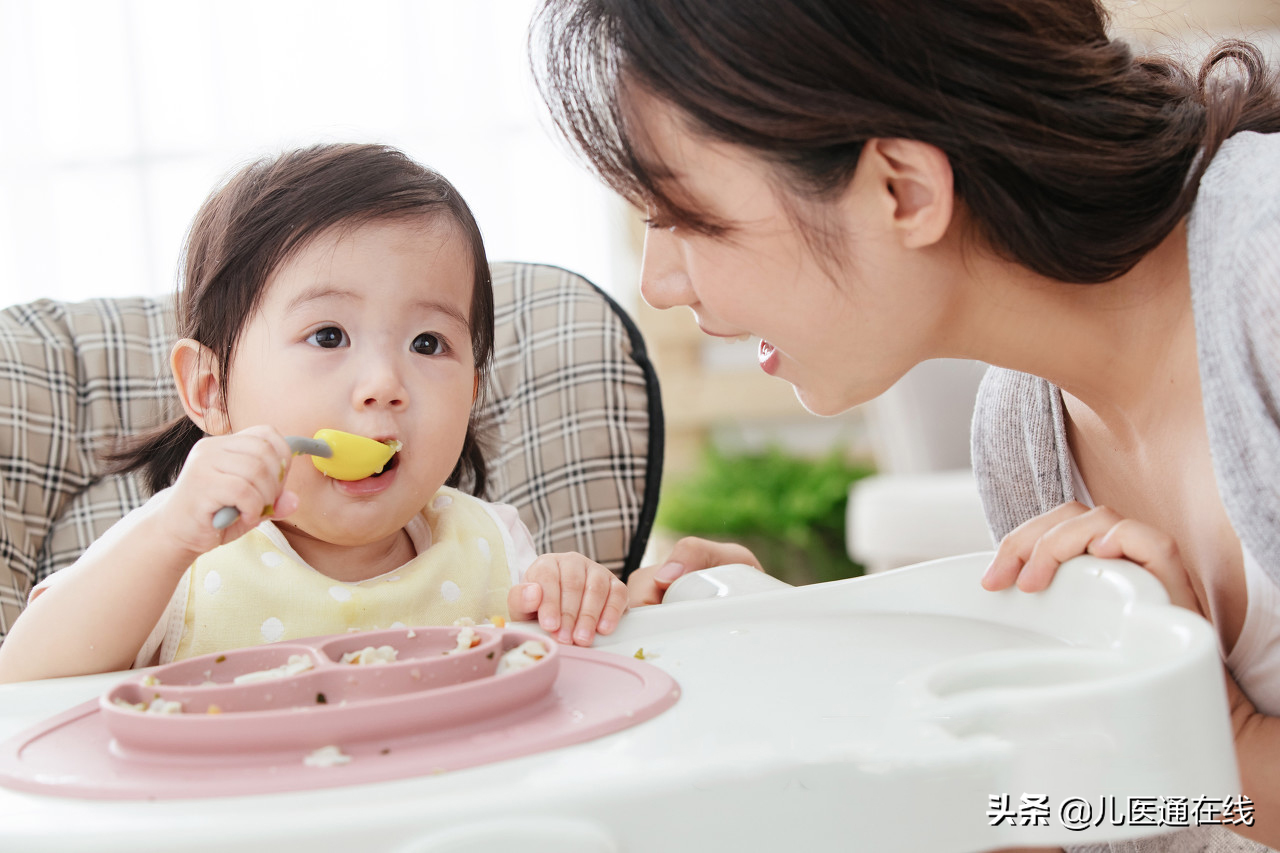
(545, 573)
(616, 605)
(523, 600)
(594, 614)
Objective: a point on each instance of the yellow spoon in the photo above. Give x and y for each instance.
(340, 455)
(354, 457)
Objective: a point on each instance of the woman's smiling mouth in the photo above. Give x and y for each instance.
(769, 357)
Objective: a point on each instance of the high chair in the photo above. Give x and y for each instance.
(898, 712)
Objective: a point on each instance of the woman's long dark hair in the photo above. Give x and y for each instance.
(1073, 157)
(261, 217)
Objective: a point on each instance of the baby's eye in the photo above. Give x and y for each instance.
(330, 337)
(428, 344)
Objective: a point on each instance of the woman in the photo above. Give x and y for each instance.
(866, 185)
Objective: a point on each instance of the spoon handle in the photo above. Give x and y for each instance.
(225, 517)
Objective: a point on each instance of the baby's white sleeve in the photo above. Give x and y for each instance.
(162, 641)
(115, 531)
(177, 602)
(522, 549)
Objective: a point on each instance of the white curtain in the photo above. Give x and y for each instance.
(118, 116)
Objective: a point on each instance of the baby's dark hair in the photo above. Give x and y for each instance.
(260, 218)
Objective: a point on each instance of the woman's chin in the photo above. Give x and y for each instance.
(824, 405)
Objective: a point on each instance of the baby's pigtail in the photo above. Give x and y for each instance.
(158, 454)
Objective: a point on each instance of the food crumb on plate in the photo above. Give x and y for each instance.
(371, 655)
(467, 638)
(296, 665)
(157, 706)
(526, 654)
(326, 756)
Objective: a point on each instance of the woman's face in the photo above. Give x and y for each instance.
(840, 329)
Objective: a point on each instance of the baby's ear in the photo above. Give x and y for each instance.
(195, 371)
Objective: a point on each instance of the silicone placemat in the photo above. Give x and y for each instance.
(331, 723)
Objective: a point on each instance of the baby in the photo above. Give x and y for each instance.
(339, 287)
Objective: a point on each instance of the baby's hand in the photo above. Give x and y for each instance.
(245, 470)
(572, 598)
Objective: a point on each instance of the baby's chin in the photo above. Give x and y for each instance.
(353, 529)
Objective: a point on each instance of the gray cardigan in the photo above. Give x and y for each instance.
(1019, 443)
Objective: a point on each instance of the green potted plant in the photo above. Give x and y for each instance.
(788, 509)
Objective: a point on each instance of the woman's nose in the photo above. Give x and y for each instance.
(664, 281)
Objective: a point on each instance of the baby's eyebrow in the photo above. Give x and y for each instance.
(325, 291)
(450, 311)
(317, 292)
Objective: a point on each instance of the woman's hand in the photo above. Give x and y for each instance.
(1031, 554)
(245, 470)
(648, 584)
(572, 597)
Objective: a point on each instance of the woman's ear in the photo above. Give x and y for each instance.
(195, 371)
(917, 188)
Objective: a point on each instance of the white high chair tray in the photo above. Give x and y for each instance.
(893, 712)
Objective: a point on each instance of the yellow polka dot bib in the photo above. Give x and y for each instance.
(253, 591)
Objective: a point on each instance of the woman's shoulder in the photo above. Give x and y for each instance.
(1234, 226)
(1246, 164)
(1018, 445)
(1008, 405)
(1233, 249)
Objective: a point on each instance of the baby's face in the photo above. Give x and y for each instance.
(364, 330)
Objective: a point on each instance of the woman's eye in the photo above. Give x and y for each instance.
(428, 344)
(330, 337)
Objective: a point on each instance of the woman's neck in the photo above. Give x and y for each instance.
(350, 563)
(1124, 348)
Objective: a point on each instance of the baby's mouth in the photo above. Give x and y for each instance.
(391, 463)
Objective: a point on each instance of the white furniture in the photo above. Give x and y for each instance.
(898, 519)
(923, 503)
(888, 713)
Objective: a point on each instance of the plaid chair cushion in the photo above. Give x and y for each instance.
(572, 412)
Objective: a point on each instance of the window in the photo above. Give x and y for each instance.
(119, 116)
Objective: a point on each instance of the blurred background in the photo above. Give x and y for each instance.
(118, 116)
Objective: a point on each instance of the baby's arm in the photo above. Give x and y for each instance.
(572, 597)
(98, 617)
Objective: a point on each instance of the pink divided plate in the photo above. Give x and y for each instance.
(293, 716)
